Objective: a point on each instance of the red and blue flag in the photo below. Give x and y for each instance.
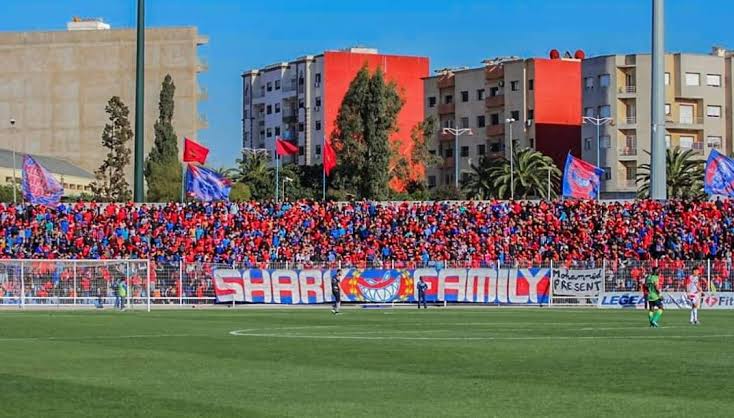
(581, 179)
(719, 175)
(205, 184)
(39, 186)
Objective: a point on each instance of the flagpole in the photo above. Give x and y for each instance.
(323, 168)
(277, 174)
(183, 181)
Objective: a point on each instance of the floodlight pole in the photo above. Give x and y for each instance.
(457, 132)
(658, 181)
(509, 122)
(139, 106)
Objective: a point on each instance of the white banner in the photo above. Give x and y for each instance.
(573, 282)
(636, 300)
(718, 301)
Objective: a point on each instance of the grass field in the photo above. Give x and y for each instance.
(401, 362)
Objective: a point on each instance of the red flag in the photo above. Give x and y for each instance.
(194, 152)
(283, 147)
(329, 157)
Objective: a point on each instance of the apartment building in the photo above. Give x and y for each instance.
(534, 102)
(697, 108)
(56, 86)
(300, 99)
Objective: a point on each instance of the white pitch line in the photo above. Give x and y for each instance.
(102, 337)
(250, 333)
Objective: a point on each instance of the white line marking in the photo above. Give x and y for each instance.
(103, 337)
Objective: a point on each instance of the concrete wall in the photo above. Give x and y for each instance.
(57, 84)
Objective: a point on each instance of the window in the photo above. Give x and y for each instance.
(713, 80)
(686, 142)
(604, 81)
(713, 111)
(448, 123)
(531, 141)
(531, 84)
(317, 102)
(464, 123)
(431, 101)
(693, 79)
(630, 172)
(667, 108)
(269, 110)
(277, 108)
(481, 122)
(431, 181)
(514, 85)
(277, 84)
(464, 151)
(515, 114)
(480, 94)
(432, 151)
(494, 91)
(301, 150)
(589, 111)
(317, 80)
(667, 79)
(589, 83)
(464, 96)
(605, 141)
(317, 125)
(318, 150)
(494, 119)
(269, 132)
(300, 103)
(301, 127)
(464, 177)
(496, 147)
(531, 114)
(300, 81)
(587, 144)
(605, 111)
(713, 141)
(270, 86)
(481, 149)
(607, 173)
(448, 99)
(449, 152)
(667, 141)
(685, 114)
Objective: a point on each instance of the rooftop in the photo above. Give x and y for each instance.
(54, 165)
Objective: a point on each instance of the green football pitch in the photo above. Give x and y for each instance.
(392, 362)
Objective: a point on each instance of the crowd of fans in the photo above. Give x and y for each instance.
(475, 233)
(679, 236)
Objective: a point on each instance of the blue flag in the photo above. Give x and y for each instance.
(205, 184)
(39, 186)
(581, 179)
(719, 175)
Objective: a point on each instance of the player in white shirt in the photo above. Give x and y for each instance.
(693, 288)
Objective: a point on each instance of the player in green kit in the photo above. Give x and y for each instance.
(654, 298)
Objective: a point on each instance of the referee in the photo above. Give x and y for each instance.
(336, 291)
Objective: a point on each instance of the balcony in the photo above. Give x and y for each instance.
(495, 130)
(629, 120)
(629, 149)
(202, 94)
(627, 90)
(495, 101)
(694, 123)
(494, 72)
(290, 116)
(448, 162)
(446, 108)
(290, 85)
(446, 81)
(629, 183)
(201, 122)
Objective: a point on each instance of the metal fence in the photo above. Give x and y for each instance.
(149, 284)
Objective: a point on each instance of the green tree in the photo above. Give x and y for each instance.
(162, 167)
(530, 174)
(684, 175)
(6, 194)
(110, 184)
(480, 184)
(240, 192)
(416, 187)
(365, 122)
(446, 192)
(253, 170)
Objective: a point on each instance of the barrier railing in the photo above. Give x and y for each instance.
(147, 284)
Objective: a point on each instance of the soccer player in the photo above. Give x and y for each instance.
(422, 286)
(654, 298)
(336, 291)
(693, 288)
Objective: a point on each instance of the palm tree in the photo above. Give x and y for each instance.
(254, 171)
(479, 184)
(531, 175)
(229, 173)
(684, 173)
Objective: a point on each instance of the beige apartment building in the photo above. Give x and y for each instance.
(534, 102)
(698, 105)
(55, 85)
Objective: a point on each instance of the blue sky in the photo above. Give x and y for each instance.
(247, 34)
